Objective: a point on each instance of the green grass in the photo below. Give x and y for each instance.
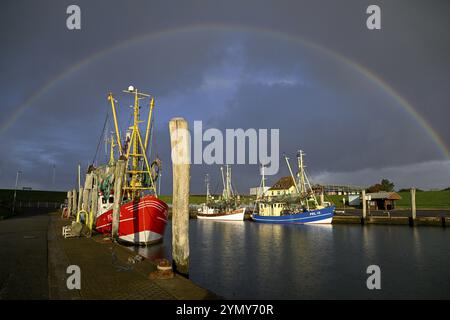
(426, 200)
(336, 200)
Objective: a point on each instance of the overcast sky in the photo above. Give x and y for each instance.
(311, 69)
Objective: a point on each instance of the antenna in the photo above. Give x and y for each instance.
(79, 177)
(53, 176)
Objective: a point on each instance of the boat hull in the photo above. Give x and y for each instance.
(234, 215)
(320, 216)
(141, 222)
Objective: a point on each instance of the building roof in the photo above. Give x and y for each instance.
(384, 195)
(283, 183)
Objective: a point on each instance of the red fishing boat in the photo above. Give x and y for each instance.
(141, 222)
(143, 217)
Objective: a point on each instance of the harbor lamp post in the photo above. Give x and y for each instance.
(15, 191)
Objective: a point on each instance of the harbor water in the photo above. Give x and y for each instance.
(248, 260)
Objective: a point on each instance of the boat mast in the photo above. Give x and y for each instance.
(111, 151)
(263, 181)
(306, 185)
(292, 175)
(224, 193)
(229, 188)
(262, 185)
(301, 172)
(207, 186)
(226, 180)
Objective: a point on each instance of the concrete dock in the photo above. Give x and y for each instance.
(438, 218)
(34, 260)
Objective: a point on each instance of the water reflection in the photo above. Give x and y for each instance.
(247, 260)
(153, 252)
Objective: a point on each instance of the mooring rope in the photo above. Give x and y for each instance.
(115, 261)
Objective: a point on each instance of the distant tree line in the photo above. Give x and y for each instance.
(384, 185)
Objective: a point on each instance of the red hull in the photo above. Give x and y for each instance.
(141, 222)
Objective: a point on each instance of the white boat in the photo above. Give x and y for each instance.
(225, 208)
(232, 215)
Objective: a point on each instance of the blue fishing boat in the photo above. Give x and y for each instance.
(292, 200)
(324, 215)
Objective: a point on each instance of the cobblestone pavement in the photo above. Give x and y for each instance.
(34, 258)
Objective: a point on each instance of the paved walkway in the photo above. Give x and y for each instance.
(34, 258)
(23, 257)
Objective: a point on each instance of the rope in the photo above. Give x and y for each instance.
(115, 261)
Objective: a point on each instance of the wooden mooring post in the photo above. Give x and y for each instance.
(413, 207)
(69, 203)
(74, 203)
(118, 184)
(85, 202)
(87, 194)
(94, 199)
(80, 203)
(180, 145)
(364, 206)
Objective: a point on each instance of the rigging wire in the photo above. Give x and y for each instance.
(101, 137)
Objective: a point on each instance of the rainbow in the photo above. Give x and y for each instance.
(368, 74)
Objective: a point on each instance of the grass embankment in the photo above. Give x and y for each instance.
(336, 200)
(424, 200)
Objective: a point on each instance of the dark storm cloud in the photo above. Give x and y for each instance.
(232, 79)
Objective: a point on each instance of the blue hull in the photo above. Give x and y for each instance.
(324, 215)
